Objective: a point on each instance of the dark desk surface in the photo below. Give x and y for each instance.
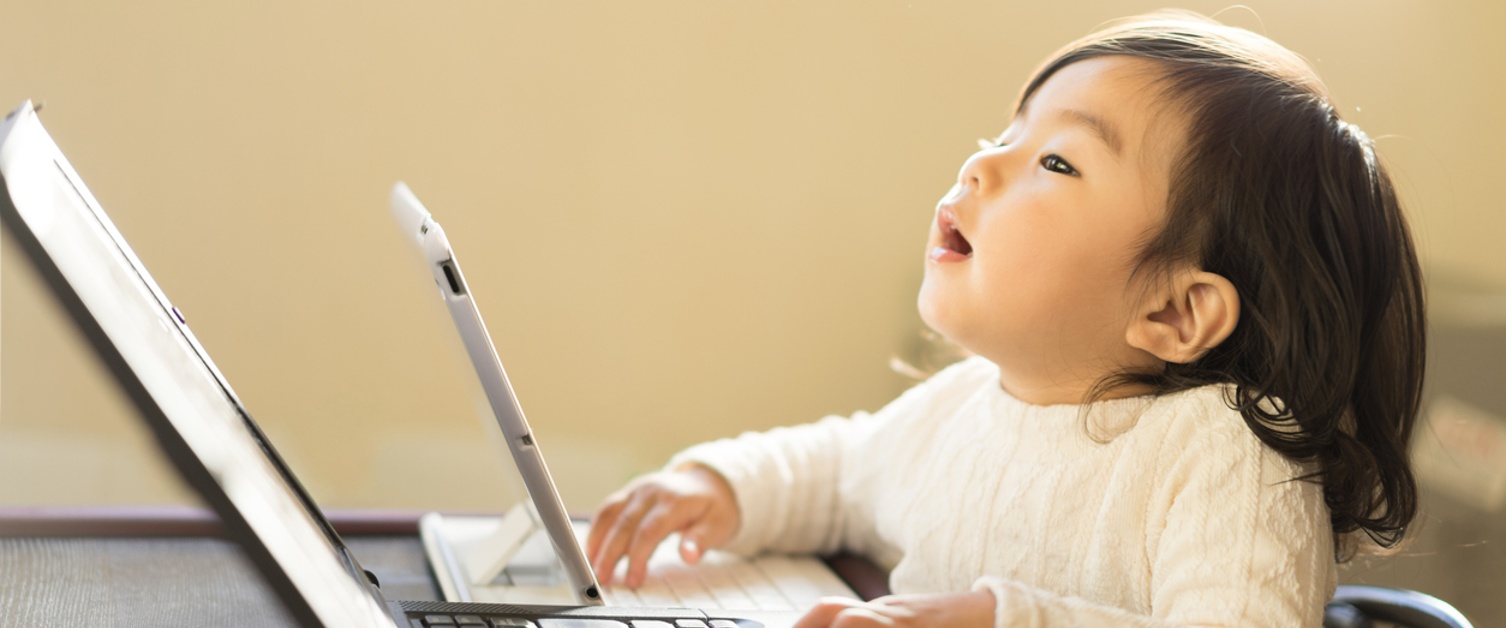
(172, 567)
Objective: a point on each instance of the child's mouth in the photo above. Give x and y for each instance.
(953, 246)
(952, 239)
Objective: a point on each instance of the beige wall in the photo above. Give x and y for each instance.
(682, 220)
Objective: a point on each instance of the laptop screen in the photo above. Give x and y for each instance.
(196, 417)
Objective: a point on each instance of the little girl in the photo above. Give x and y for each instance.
(1196, 320)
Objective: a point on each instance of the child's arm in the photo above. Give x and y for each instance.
(795, 489)
(692, 498)
(952, 610)
(814, 488)
(786, 476)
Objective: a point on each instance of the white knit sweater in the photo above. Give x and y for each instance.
(1155, 511)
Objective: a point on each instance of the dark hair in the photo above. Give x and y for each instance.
(1288, 202)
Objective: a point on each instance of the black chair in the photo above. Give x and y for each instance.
(1355, 606)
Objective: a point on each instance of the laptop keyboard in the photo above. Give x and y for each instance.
(724, 581)
(481, 621)
(467, 615)
(719, 581)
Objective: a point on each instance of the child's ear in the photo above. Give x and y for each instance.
(1182, 321)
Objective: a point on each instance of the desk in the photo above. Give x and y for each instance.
(162, 566)
(170, 566)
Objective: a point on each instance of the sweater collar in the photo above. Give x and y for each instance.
(1105, 419)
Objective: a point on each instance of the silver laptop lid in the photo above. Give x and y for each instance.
(424, 232)
(196, 417)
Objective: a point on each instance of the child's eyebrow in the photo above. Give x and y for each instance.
(1105, 130)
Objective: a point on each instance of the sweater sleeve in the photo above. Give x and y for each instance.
(1240, 542)
(785, 482)
(789, 481)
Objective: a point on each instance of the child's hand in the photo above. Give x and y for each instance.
(963, 610)
(692, 500)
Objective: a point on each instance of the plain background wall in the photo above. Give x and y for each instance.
(682, 219)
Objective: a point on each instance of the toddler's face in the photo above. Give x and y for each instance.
(1029, 257)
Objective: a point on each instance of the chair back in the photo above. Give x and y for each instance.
(1357, 606)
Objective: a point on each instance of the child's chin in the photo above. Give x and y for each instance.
(932, 306)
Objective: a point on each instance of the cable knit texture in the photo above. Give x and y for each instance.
(1149, 511)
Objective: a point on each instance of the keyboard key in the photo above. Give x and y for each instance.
(757, 586)
(578, 622)
(512, 622)
(651, 623)
(439, 620)
(655, 594)
(801, 584)
(690, 623)
(724, 587)
(621, 596)
(688, 587)
(724, 623)
(469, 620)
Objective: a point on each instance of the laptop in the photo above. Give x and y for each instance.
(205, 430)
(532, 554)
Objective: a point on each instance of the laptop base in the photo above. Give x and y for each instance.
(461, 614)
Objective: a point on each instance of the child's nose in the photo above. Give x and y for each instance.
(982, 173)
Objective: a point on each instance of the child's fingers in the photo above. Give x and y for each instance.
(602, 521)
(863, 617)
(608, 516)
(826, 612)
(666, 517)
(690, 549)
(703, 534)
(635, 520)
(616, 539)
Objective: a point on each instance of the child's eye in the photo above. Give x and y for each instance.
(1055, 163)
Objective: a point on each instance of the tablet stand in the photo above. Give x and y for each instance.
(487, 560)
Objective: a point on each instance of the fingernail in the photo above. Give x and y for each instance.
(693, 549)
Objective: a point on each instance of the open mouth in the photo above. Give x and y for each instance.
(951, 238)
